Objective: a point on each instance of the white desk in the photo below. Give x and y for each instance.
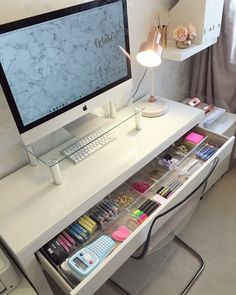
(33, 210)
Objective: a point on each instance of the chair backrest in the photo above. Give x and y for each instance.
(166, 232)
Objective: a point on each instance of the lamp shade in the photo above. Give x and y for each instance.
(149, 55)
(150, 52)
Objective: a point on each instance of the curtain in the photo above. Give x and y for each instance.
(214, 69)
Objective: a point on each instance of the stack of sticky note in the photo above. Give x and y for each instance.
(121, 233)
(193, 139)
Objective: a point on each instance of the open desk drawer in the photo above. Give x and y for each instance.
(125, 249)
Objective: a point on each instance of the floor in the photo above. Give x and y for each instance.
(211, 231)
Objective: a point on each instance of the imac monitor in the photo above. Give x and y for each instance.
(58, 66)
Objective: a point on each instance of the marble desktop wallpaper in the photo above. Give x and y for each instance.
(171, 78)
(53, 64)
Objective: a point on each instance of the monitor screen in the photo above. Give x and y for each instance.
(54, 62)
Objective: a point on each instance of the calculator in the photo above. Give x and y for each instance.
(89, 257)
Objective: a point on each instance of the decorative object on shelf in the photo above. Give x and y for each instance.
(184, 35)
(149, 55)
(162, 28)
(206, 16)
(183, 44)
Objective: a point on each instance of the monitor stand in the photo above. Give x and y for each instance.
(48, 150)
(112, 109)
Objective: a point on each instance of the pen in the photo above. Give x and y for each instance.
(148, 206)
(179, 185)
(206, 151)
(168, 187)
(65, 241)
(160, 189)
(172, 189)
(210, 153)
(152, 209)
(201, 151)
(143, 217)
(145, 204)
(68, 237)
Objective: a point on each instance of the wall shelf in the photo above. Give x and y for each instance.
(175, 54)
(207, 22)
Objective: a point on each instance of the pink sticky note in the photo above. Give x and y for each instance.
(121, 233)
(194, 137)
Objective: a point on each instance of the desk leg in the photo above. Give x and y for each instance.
(34, 274)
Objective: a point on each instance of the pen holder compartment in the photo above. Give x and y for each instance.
(189, 165)
(209, 147)
(169, 158)
(182, 149)
(165, 188)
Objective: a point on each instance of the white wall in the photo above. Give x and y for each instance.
(171, 78)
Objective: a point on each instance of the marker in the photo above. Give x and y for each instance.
(68, 237)
(77, 236)
(175, 189)
(138, 212)
(169, 186)
(65, 241)
(201, 151)
(160, 189)
(149, 206)
(144, 204)
(103, 206)
(90, 220)
(78, 231)
(81, 229)
(210, 153)
(144, 216)
(63, 245)
(152, 209)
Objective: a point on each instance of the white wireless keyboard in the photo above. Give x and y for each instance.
(88, 145)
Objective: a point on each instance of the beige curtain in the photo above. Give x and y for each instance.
(214, 69)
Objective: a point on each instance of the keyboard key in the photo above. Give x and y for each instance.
(88, 145)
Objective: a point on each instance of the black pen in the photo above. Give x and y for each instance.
(145, 204)
(152, 209)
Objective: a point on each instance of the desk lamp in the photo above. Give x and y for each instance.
(149, 55)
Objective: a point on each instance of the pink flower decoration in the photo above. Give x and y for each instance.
(180, 33)
(192, 32)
